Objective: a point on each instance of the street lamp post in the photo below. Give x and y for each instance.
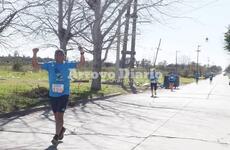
(197, 65)
(176, 61)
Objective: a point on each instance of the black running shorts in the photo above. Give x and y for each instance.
(59, 104)
(153, 86)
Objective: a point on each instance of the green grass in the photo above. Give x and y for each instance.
(17, 89)
(21, 90)
(186, 80)
(13, 102)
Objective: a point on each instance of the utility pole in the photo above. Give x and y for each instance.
(197, 65)
(133, 44)
(176, 62)
(125, 40)
(154, 64)
(118, 50)
(208, 70)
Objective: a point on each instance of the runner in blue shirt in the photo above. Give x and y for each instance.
(153, 82)
(171, 80)
(59, 86)
(210, 78)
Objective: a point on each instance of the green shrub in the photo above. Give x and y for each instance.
(17, 67)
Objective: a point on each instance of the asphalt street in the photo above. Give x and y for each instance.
(193, 117)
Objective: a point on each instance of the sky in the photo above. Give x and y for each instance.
(209, 18)
(198, 20)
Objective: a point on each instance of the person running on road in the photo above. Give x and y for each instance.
(153, 82)
(171, 80)
(59, 85)
(210, 78)
(197, 78)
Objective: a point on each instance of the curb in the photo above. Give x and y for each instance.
(84, 101)
(39, 108)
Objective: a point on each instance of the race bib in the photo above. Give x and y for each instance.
(153, 81)
(58, 88)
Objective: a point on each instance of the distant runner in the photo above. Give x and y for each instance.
(172, 80)
(197, 78)
(153, 77)
(210, 78)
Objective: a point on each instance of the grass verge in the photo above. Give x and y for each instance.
(22, 90)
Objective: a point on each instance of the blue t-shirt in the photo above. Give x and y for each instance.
(153, 77)
(172, 78)
(59, 80)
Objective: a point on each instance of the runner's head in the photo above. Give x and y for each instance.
(152, 69)
(59, 55)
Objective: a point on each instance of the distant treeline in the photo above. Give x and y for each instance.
(10, 60)
(185, 70)
(227, 69)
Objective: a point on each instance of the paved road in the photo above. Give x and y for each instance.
(195, 117)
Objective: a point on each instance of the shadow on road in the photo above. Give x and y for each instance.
(53, 147)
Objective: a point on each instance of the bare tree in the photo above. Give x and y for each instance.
(227, 39)
(184, 60)
(105, 17)
(105, 14)
(58, 20)
(10, 12)
(84, 21)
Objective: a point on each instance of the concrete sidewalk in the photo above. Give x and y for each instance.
(195, 117)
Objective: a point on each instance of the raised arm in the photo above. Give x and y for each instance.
(35, 64)
(82, 58)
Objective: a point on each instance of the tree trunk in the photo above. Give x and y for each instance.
(125, 40)
(96, 81)
(63, 45)
(63, 39)
(133, 46)
(60, 25)
(97, 49)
